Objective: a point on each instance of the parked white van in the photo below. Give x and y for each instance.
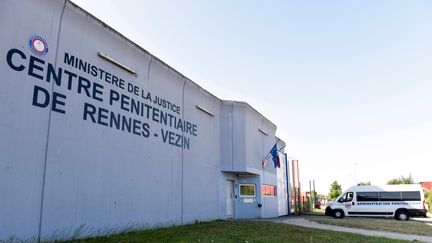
(398, 201)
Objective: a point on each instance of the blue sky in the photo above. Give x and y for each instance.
(346, 82)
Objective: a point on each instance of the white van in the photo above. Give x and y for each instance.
(398, 201)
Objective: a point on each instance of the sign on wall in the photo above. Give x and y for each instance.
(131, 109)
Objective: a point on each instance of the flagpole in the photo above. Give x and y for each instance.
(272, 148)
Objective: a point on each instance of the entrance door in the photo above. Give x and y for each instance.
(230, 198)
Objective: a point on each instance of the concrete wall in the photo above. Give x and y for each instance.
(201, 170)
(281, 174)
(243, 150)
(99, 177)
(69, 171)
(23, 129)
(245, 145)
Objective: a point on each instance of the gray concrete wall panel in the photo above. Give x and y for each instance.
(201, 165)
(23, 127)
(238, 139)
(122, 187)
(282, 194)
(248, 145)
(226, 123)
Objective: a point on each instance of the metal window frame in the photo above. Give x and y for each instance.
(247, 184)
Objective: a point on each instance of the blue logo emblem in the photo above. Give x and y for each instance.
(38, 45)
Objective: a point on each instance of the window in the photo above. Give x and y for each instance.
(347, 197)
(367, 196)
(411, 196)
(389, 196)
(247, 190)
(268, 190)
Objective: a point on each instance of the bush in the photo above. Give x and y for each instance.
(428, 198)
(335, 190)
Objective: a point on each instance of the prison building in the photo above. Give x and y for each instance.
(99, 136)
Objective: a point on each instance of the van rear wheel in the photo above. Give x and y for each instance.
(339, 214)
(402, 215)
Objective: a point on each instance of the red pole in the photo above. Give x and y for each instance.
(298, 182)
(298, 175)
(294, 186)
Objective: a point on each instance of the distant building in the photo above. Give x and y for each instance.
(426, 185)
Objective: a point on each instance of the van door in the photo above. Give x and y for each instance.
(347, 203)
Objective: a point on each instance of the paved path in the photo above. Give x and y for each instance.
(427, 221)
(301, 221)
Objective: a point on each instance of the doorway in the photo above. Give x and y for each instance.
(230, 198)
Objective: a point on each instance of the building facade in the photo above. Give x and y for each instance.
(100, 136)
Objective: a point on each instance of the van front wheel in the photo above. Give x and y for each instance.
(402, 215)
(339, 214)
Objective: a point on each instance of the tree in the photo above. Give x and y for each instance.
(428, 198)
(366, 183)
(314, 194)
(335, 190)
(401, 180)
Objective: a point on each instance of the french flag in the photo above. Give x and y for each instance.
(276, 159)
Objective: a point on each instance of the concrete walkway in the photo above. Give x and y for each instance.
(427, 221)
(301, 221)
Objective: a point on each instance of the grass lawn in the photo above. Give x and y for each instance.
(408, 227)
(236, 231)
(316, 211)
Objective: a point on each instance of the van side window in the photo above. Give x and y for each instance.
(411, 196)
(367, 196)
(389, 196)
(347, 197)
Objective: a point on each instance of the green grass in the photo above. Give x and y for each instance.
(316, 211)
(236, 231)
(391, 225)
